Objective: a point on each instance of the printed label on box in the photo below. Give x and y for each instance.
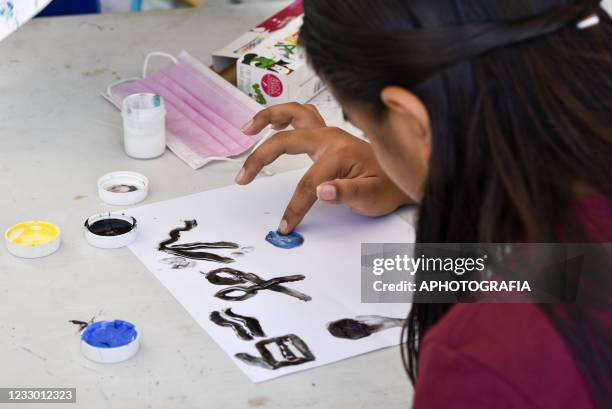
(276, 70)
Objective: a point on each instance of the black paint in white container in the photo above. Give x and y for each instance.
(110, 230)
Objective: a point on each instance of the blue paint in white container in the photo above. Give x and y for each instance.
(109, 334)
(285, 241)
(110, 341)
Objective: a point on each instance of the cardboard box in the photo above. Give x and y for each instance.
(228, 55)
(269, 65)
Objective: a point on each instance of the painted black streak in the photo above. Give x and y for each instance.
(362, 326)
(251, 323)
(82, 324)
(237, 292)
(246, 328)
(293, 349)
(240, 331)
(189, 250)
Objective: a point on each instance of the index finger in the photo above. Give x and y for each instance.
(283, 115)
(305, 194)
(286, 142)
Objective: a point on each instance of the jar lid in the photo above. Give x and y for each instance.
(110, 341)
(123, 188)
(32, 239)
(110, 230)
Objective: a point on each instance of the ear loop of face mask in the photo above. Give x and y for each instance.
(145, 69)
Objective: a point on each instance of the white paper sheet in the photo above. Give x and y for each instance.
(15, 13)
(329, 259)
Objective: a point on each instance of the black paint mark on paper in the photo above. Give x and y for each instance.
(240, 331)
(236, 292)
(292, 348)
(251, 323)
(246, 328)
(362, 326)
(189, 250)
(177, 263)
(243, 251)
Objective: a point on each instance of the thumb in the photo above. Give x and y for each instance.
(353, 192)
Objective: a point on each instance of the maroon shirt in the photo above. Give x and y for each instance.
(507, 356)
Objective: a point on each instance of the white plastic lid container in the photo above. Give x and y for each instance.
(32, 239)
(114, 232)
(144, 125)
(108, 342)
(123, 188)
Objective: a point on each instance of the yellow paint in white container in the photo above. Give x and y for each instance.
(32, 239)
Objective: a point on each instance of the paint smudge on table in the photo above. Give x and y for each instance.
(81, 324)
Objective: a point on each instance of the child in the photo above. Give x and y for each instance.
(494, 116)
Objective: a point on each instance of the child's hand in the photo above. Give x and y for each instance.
(344, 170)
(301, 116)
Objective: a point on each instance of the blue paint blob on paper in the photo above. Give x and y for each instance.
(109, 334)
(285, 241)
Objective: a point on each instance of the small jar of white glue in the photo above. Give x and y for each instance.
(144, 125)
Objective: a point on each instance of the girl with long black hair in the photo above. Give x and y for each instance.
(494, 116)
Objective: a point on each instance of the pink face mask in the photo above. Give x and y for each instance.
(204, 112)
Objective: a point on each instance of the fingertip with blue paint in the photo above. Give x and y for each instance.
(285, 241)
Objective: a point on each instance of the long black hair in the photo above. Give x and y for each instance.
(520, 102)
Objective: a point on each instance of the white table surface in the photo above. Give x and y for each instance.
(57, 136)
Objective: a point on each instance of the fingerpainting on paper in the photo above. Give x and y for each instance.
(273, 308)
